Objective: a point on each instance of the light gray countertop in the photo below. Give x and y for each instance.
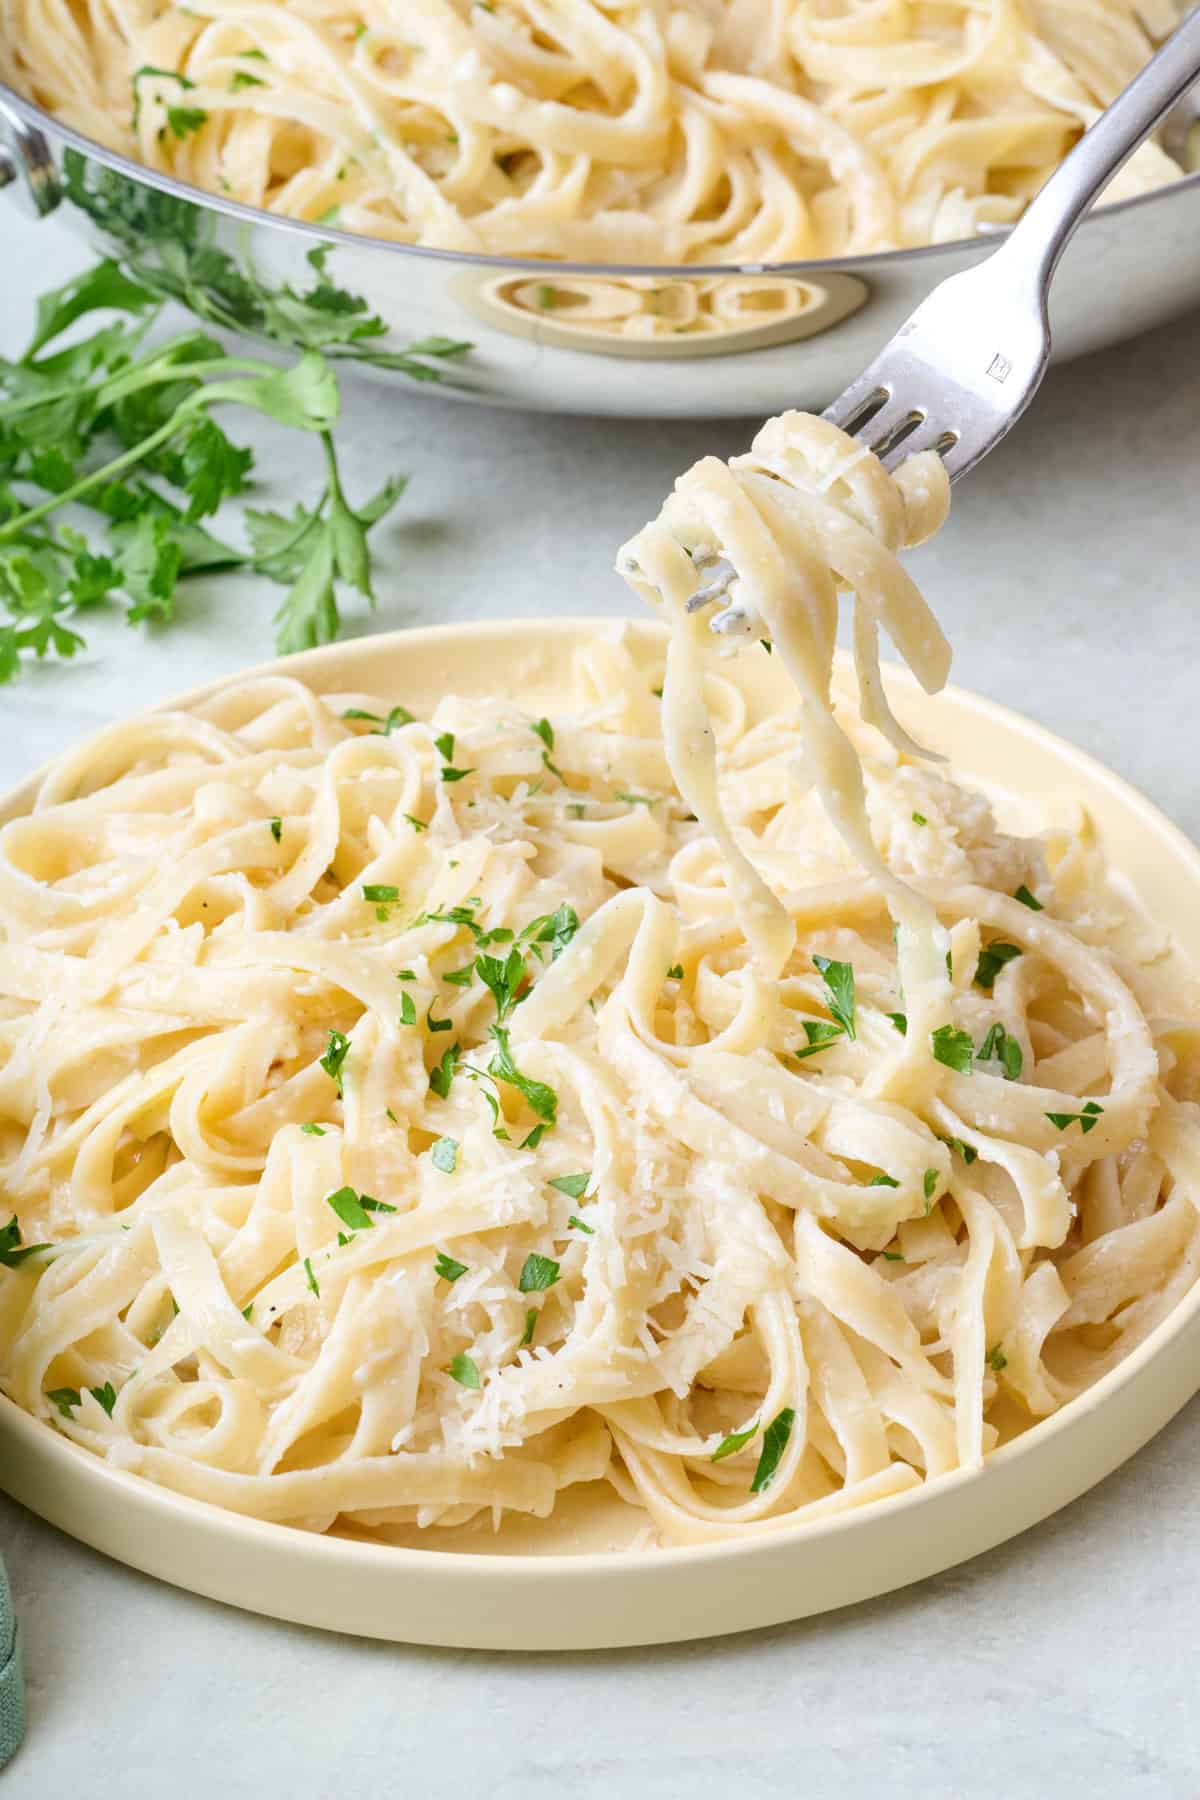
(1064, 1662)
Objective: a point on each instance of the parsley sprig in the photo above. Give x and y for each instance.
(125, 427)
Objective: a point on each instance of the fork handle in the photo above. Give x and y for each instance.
(1045, 229)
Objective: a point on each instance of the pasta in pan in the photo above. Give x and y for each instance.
(407, 1120)
(716, 131)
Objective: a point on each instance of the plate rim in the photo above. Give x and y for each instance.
(24, 1435)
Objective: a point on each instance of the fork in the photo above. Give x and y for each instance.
(963, 367)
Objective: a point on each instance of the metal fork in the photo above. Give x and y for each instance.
(962, 369)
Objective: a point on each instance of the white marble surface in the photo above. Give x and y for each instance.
(1063, 1663)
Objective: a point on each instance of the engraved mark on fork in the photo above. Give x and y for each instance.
(1000, 368)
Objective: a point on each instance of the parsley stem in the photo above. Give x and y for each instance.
(143, 448)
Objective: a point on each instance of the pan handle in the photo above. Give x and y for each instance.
(26, 165)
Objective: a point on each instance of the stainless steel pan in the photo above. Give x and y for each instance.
(629, 341)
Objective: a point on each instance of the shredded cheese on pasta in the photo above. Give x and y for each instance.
(610, 130)
(421, 1117)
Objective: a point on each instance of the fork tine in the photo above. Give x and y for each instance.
(929, 433)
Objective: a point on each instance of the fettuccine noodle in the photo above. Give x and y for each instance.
(420, 1117)
(715, 131)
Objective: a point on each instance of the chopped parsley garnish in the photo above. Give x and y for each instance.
(900, 1022)
(556, 929)
(399, 715)
(534, 1139)
(775, 1442)
(406, 974)
(953, 1048)
(820, 1034)
(444, 744)
(919, 819)
(530, 1325)
(276, 829)
(417, 824)
(675, 972)
(545, 730)
(65, 1399)
(12, 1251)
(999, 1046)
(573, 1186)
(996, 1358)
(892, 1256)
(465, 1371)
(444, 1155)
(460, 977)
(442, 1075)
(247, 1310)
(311, 1130)
(432, 1024)
(310, 1279)
(883, 1181)
(537, 1273)
(1027, 899)
(991, 961)
(447, 1268)
(105, 1396)
(839, 985)
(637, 799)
(1085, 1119)
(355, 1209)
(541, 1099)
(930, 1183)
(242, 78)
(968, 1152)
(449, 774)
(577, 1224)
(381, 893)
(408, 1011)
(334, 1059)
(503, 978)
(737, 1440)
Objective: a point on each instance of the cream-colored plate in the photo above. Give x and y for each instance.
(572, 1582)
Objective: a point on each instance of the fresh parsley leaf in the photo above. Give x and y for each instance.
(637, 799)
(242, 78)
(65, 1399)
(1085, 1119)
(276, 826)
(333, 1061)
(996, 1358)
(737, 1440)
(820, 1034)
(351, 1209)
(775, 1442)
(310, 1278)
(311, 1130)
(444, 1155)
(919, 819)
(432, 1024)
(503, 979)
(953, 1048)
(449, 774)
(537, 1273)
(675, 972)
(999, 1046)
(447, 1268)
(883, 1181)
(545, 731)
(892, 1256)
(408, 1011)
(839, 985)
(444, 745)
(992, 960)
(417, 824)
(442, 1075)
(12, 1251)
(540, 1098)
(530, 1326)
(105, 1396)
(397, 716)
(930, 1182)
(573, 1186)
(1027, 899)
(900, 1022)
(465, 1371)
(380, 893)
(968, 1152)
(460, 977)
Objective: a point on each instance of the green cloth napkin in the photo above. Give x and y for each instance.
(12, 1689)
